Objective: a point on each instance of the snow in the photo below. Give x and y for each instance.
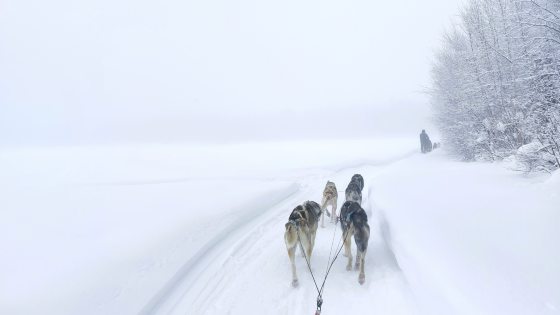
(530, 148)
(198, 229)
(500, 126)
(474, 238)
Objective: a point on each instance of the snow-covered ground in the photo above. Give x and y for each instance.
(199, 230)
(473, 238)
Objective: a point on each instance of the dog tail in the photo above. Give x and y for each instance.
(362, 244)
(290, 227)
(290, 236)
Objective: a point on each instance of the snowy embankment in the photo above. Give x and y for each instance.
(473, 238)
(447, 238)
(112, 230)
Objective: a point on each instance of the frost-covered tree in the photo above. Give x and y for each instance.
(496, 82)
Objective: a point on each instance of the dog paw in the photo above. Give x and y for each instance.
(349, 267)
(362, 279)
(295, 283)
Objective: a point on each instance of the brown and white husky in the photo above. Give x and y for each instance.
(330, 197)
(302, 224)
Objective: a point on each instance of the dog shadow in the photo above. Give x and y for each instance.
(381, 255)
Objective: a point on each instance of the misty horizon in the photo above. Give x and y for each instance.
(105, 72)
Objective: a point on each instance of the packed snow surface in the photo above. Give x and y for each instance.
(173, 229)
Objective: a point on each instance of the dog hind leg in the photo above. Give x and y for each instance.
(292, 254)
(309, 247)
(362, 276)
(312, 240)
(334, 218)
(301, 250)
(348, 249)
(323, 207)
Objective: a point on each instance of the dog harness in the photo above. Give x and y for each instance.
(348, 215)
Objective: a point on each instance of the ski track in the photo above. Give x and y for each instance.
(245, 269)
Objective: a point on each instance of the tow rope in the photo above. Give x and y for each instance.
(329, 266)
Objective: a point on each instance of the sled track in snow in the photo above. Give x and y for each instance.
(232, 237)
(163, 300)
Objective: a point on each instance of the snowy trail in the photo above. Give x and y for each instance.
(120, 226)
(175, 233)
(245, 269)
(429, 253)
(186, 274)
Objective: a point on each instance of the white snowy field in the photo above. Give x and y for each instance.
(199, 230)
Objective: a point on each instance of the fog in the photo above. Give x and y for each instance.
(94, 72)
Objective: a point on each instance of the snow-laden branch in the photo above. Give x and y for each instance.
(497, 82)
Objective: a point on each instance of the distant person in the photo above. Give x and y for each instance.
(425, 143)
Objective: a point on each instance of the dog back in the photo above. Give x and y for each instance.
(361, 229)
(313, 212)
(353, 192)
(349, 208)
(353, 216)
(358, 179)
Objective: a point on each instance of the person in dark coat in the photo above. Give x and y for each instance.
(425, 142)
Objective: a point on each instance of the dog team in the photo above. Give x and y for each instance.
(303, 222)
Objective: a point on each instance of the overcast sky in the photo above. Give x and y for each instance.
(113, 71)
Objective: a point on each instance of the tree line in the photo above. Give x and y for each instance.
(496, 83)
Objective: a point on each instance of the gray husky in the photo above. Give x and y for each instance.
(353, 220)
(359, 180)
(302, 224)
(354, 189)
(330, 197)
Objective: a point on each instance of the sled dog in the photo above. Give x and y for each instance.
(359, 180)
(353, 220)
(302, 224)
(330, 197)
(354, 190)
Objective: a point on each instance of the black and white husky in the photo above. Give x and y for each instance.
(354, 190)
(302, 224)
(330, 197)
(353, 220)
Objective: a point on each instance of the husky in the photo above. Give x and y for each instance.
(302, 224)
(353, 220)
(359, 180)
(330, 197)
(354, 192)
